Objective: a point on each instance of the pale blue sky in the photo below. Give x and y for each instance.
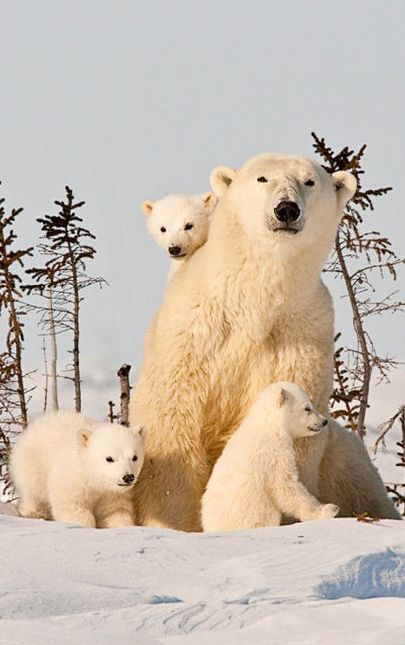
(131, 100)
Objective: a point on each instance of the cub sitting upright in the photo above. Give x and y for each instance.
(69, 468)
(255, 480)
(179, 223)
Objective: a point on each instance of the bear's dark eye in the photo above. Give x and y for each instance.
(163, 229)
(262, 180)
(188, 226)
(109, 459)
(307, 409)
(309, 182)
(135, 458)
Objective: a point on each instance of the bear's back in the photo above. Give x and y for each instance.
(50, 438)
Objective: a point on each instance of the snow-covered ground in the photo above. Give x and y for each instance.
(331, 581)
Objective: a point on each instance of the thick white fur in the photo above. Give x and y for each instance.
(174, 213)
(60, 471)
(256, 480)
(248, 309)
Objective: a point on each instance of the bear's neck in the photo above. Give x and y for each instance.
(254, 280)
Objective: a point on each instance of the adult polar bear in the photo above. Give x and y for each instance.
(248, 309)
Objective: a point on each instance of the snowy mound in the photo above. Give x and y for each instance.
(303, 584)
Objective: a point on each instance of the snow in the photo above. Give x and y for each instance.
(333, 581)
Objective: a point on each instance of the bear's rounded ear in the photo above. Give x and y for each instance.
(208, 199)
(281, 397)
(140, 430)
(147, 207)
(221, 178)
(345, 186)
(84, 437)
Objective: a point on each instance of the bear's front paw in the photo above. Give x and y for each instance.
(116, 520)
(328, 510)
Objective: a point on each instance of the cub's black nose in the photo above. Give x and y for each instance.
(128, 479)
(325, 423)
(287, 212)
(174, 250)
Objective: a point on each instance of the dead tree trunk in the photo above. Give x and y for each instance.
(111, 415)
(125, 388)
(361, 339)
(9, 296)
(45, 406)
(15, 326)
(76, 332)
(54, 352)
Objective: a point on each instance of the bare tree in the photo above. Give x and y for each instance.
(13, 396)
(111, 414)
(13, 393)
(397, 419)
(5, 451)
(123, 374)
(61, 279)
(52, 321)
(359, 256)
(123, 416)
(46, 375)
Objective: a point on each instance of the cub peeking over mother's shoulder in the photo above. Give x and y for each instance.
(73, 469)
(179, 223)
(255, 480)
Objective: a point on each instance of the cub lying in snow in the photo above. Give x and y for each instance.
(255, 479)
(179, 224)
(73, 469)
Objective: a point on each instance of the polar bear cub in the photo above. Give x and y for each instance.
(73, 469)
(255, 480)
(179, 223)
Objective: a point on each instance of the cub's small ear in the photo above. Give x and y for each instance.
(84, 437)
(281, 397)
(345, 186)
(221, 178)
(147, 207)
(140, 430)
(209, 199)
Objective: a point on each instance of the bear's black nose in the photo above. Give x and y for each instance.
(174, 250)
(325, 423)
(287, 212)
(128, 479)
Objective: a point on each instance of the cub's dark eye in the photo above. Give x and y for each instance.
(307, 409)
(109, 459)
(309, 182)
(262, 180)
(135, 458)
(163, 229)
(188, 226)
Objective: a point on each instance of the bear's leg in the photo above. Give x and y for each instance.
(73, 514)
(260, 511)
(70, 508)
(169, 490)
(115, 520)
(350, 480)
(170, 399)
(32, 507)
(114, 511)
(293, 499)
(245, 506)
(29, 482)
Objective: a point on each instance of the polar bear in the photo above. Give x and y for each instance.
(73, 469)
(255, 480)
(179, 223)
(248, 309)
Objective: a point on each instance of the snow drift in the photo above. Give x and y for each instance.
(301, 584)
